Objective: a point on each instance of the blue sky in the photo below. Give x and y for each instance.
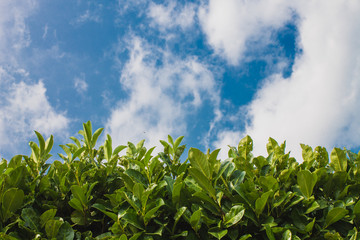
(213, 71)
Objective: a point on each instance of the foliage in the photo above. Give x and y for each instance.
(98, 193)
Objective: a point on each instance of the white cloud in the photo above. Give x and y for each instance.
(318, 104)
(14, 34)
(26, 109)
(46, 28)
(224, 139)
(233, 26)
(161, 95)
(24, 106)
(80, 84)
(170, 16)
(90, 15)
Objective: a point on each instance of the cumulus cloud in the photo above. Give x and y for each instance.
(169, 16)
(24, 106)
(318, 104)
(25, 109)
(233, 27)
(162, 92)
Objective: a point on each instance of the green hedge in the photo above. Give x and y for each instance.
(98, 193)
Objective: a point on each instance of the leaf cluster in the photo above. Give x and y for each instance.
(127, 192)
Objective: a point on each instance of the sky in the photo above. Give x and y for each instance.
(212, 71)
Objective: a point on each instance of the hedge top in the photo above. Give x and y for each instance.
(99, 193)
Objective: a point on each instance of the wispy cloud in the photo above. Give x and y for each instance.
(92, 14)
(80, 84)
(45, 31)
(14, 34)
(318, 104)
(163, 91)
(171, 15)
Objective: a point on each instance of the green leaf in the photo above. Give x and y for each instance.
(79, 194)
(49, 144)
(269, 232)
(205, 197)
(260, 203)
(12, 200)
(46, 216)
(338, 159)
(178, 185)
(246, 236)
(87, 133)
(306, 181)
(272, 145)
(17, 176)
(356, 211)
(309, 227)
(132, 218)
(136, 236)
(76, 204)
(102, 208)
(170, 140)
(218, 233)
(234, 215)
(335, 215)
(65, 232)
(137, 176)
(195, 220)
(178, 141)
(15, 162)
(41, 142)
(182, 234)
(150, 213)
(123, 237)
(245, 147)
(315, 205)
(203, 181)
(198, 161)
(96, 136)
(52, 228)
(7, 237)
(118, 149)
(268, 183)
(287, 235)
(77, 217)
(178, 214)
(31, 219)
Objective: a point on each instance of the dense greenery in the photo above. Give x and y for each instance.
(98, 193)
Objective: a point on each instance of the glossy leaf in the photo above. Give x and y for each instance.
(218, 233)
(203, 181)
(234, 216)
(31, 219)
(335, 215)
(261, 202)
(338, 159)
(199, 162)
(306, 181)
(46, 216)
(52, 228)
(150, 213)
(65, 232)
(12, 200)
(195, 220)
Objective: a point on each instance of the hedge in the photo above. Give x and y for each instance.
(99, 193)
